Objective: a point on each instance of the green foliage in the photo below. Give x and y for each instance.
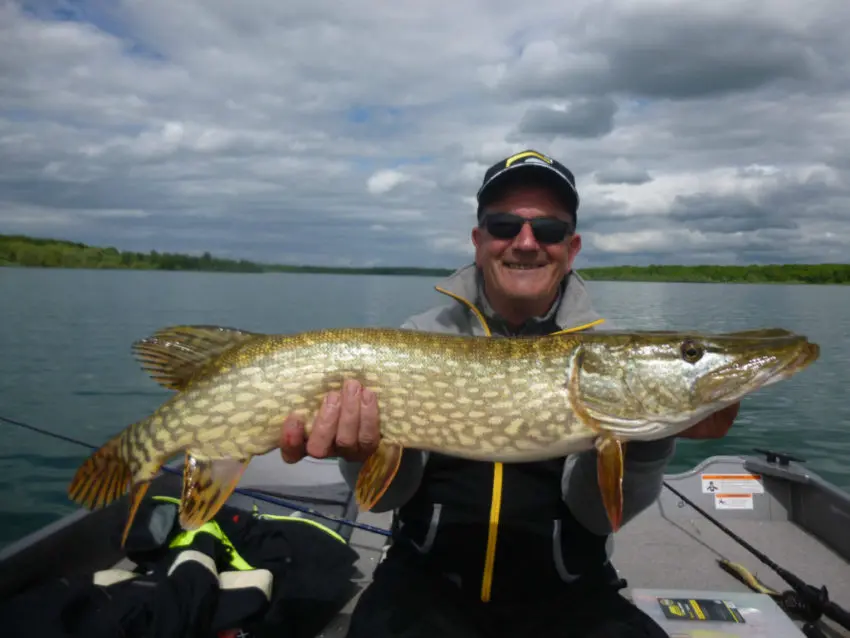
(761, 274)
(20, 250)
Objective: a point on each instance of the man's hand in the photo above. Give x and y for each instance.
(345, 426)
(714, 426)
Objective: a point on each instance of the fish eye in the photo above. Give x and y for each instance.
(692, 351)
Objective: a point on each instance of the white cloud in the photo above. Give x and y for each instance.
(384, 181)
(451, 244)
(650, 241)
(360, 135)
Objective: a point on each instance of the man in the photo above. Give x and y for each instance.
(485, 549)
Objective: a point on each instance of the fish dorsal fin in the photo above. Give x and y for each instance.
(175, 355)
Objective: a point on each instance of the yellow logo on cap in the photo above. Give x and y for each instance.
(519, 156)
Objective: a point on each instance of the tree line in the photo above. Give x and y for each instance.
(754, 274)
(35, 252)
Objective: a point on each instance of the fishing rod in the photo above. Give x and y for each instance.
(260, 496)
(811, 603)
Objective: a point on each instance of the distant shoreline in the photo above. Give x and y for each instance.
(21, 251)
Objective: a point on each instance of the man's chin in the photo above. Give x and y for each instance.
(525, 291)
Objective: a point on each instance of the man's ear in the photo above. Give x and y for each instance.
(573, 250)
(476, 236)
(477, 240)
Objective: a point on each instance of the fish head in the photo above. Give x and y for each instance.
(649, 385)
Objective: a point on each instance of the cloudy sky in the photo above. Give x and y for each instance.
(358, 133)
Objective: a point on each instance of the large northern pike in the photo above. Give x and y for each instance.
(500, 400)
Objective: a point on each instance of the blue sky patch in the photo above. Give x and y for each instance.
(101, 15)
(361, 113)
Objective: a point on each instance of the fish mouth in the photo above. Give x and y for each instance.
(796, 358)
(806, 357)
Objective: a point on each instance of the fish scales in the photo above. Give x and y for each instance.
(503, 402)
(488, 399)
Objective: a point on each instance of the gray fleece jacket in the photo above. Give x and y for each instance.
(645, 462)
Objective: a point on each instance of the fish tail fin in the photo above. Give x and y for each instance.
(102, 478)
(106, 476)
(137, 493)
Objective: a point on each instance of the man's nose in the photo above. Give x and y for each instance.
(525, 240)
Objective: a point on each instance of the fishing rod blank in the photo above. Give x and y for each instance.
(816, 599)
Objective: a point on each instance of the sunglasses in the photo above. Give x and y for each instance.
(547, 230)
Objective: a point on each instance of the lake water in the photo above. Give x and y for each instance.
(65, 362)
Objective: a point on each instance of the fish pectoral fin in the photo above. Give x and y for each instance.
(377, 473)
(174, 356)
(207, 484)
(609, 463)
(609, 469)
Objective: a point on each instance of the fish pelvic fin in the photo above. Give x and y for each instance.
(207, 484)
(609, 470)
(377, 474)
(175, 355)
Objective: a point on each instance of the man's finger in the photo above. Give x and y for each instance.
(322, 435)
(292, 445)
(730, 412)
(349, 419)
(370, 433)
(714, 426)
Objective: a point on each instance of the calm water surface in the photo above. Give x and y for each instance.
(65, 362)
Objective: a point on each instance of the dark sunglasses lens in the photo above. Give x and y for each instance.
(506, 226)
(503, 227)
(549, 231)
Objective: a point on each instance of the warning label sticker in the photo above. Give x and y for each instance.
(732, 484)
(733, 501)
(700, 609)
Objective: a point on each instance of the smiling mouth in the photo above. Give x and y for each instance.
(522, 266)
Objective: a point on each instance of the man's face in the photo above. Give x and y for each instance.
(522, 270)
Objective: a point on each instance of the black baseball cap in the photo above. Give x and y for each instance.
(529, 164)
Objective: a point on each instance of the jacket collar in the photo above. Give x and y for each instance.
(573, 308)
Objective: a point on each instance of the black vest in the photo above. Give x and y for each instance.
(540, 547)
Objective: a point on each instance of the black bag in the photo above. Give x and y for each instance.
(197, 585)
